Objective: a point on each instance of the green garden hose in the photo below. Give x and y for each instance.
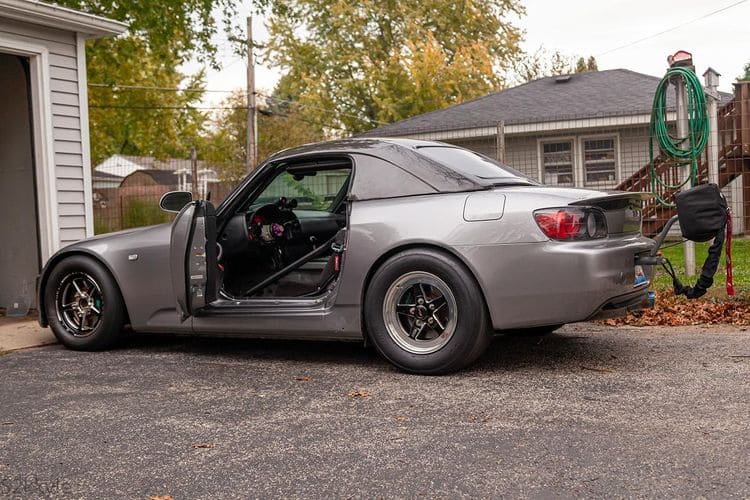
(682, 150)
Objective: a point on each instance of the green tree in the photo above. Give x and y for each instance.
(581, 65)
(542, 63)
(591, 64)
(353, 65)
(139, 121)
(161, 36)
(280, 126)
(746, 74)
(173, 30)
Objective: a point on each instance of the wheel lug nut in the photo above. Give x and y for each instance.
(431, 321)
(431, 306)
(419, 323)
(412, 310)
(420, 301)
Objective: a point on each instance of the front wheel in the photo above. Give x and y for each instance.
(424, 313)
(83, 304)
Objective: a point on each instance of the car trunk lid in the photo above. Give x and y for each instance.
(623, 210)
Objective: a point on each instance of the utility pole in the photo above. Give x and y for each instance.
(194, 173)
(252, 134)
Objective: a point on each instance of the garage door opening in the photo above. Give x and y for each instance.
(19, 235)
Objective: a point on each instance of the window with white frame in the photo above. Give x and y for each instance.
(599, 160)
(557, 163)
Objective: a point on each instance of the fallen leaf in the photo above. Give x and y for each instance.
(671, 310)
(203, 445)
(303, 378)
(359, 393)
(160, 497)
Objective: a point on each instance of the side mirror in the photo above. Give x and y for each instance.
(173, 201)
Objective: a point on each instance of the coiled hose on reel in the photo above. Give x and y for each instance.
(680, 149)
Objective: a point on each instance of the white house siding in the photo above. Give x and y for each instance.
(66, 122)
(523, 151)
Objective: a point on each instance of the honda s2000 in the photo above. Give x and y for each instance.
(422, 249)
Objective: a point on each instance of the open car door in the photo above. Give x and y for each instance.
(192, 257)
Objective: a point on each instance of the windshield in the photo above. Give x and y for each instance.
(472, 164)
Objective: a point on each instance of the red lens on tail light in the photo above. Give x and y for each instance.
(571, 223)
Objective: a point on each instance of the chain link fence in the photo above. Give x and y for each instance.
(601, 153)
(127, 189)
(612, 153)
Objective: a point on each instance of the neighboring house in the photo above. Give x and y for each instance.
(103, 180)
(119, 167)
(44, 150)
(584, 130)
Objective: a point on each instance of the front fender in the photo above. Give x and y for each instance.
(41, 280)
(138, 260)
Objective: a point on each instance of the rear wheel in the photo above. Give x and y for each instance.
(425, 313)
(83, 304)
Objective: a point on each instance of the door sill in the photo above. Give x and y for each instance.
(263, 305)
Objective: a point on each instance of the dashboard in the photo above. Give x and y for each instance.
(274, 226)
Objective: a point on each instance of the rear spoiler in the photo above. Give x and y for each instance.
(615, 199)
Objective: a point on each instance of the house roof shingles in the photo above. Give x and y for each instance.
(615, 92)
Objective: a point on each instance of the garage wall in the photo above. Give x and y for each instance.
(19, 258)
(66, 122)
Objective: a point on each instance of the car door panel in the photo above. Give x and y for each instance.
(193, 258)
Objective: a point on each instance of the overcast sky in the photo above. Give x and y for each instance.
(578, 27)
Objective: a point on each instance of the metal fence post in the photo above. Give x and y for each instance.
(711, 79)
(500, 142)
(683, 131)
(194, 173)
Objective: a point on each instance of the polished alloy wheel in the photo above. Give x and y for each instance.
(420, 312)
(79, 303)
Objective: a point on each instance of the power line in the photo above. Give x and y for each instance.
(197, 108)
(267, 96)
(209, 108)
(116, 86)
(670, 29)
(308, 106)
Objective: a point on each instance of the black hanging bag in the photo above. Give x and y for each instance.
(703, 215)
(702, 211)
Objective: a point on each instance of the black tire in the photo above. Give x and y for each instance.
(470, 326)
(103, 295)
(537, 331)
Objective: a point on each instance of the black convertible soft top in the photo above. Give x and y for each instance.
(405, 154)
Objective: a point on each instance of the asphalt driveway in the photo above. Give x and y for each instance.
(590, 411)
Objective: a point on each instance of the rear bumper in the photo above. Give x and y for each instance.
(619, 306)
(554, 282)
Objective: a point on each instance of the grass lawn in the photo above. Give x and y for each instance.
(740, 261)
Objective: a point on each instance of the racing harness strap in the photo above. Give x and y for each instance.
(704, 214)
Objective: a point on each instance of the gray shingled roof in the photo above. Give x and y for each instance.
(614, 92)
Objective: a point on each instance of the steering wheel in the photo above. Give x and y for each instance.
(272, 224)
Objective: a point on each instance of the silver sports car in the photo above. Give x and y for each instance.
(422, 249)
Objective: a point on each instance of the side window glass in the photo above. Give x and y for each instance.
(312, 192)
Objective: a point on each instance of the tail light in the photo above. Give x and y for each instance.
(572, 223)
